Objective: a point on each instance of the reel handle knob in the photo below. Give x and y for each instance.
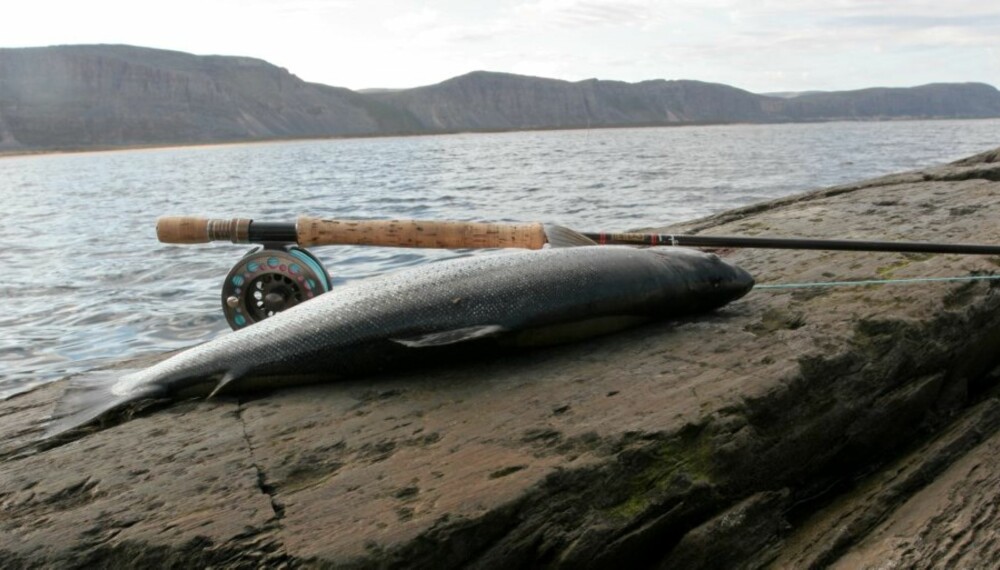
(193, 229)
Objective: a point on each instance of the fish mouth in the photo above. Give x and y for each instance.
(728, 276)
(742, 281)
(731, 284)
(720, 280)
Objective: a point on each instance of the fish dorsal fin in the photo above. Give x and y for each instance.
(454, 336)
(558, 236)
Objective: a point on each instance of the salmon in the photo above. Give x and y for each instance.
(529, 298)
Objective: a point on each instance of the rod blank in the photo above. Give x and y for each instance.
(792, 243)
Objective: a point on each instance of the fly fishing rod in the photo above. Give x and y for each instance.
(306, 231)
(281, 273)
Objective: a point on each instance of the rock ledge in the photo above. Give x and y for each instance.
(805, 427)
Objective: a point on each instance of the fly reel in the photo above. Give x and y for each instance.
(268, 280)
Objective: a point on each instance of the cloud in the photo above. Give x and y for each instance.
(587, 13)
(986, 20)
(924, 31)
(413, 21)
(309, 7)
(810, 28)
(928, 8)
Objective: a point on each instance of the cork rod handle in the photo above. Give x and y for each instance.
(317, 231)
(417, 233)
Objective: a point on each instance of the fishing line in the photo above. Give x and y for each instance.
(875, 282)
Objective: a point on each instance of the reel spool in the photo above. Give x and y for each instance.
(269, 280)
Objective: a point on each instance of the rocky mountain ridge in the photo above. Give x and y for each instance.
(78, 97)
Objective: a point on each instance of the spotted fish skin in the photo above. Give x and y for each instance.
(352, 329)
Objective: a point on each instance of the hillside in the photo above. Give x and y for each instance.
(74, 97)
(936, 100)
(80, 96)
(485, 100)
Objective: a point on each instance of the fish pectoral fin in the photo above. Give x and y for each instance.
(558, 236)
(224, 381)
(454, 336)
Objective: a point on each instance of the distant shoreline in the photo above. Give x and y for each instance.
(13, 153)
(116, 97)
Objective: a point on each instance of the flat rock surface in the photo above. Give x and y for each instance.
(801, 426)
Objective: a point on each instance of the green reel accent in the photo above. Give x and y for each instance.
(269, 280)
(314, 265)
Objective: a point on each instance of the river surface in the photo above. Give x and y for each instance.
(85, 282)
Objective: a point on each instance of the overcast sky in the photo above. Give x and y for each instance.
(758, 45)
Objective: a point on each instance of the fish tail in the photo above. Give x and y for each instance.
(90, 396)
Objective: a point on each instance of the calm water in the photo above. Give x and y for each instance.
(85, 281)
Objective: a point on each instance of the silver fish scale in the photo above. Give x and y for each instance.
(339, 329)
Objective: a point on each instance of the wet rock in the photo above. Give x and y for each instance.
(798, 427)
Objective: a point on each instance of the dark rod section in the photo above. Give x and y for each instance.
(272, 232)
(792, 243)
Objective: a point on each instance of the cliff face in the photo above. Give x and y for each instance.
(79, 96)
(795, 428)
(484, 100)
(87, 96)
(969, 100)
